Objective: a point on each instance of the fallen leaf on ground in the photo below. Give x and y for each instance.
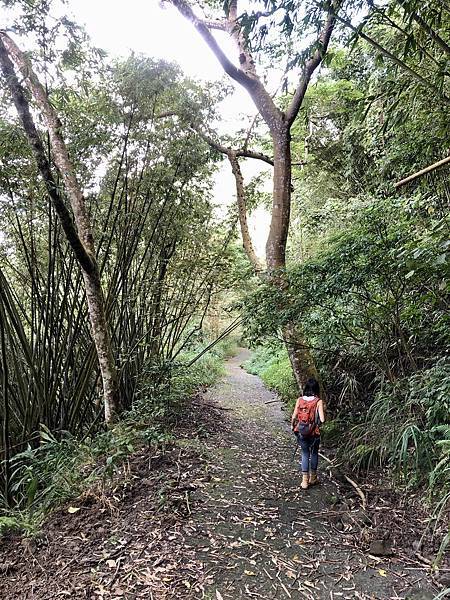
(73, 509)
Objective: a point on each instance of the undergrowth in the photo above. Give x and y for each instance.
(273, 366)
(43, 477)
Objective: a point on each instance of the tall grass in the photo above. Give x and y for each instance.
(408, 427)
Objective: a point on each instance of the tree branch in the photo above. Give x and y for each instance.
(250, 82)
(313, 62)
(237, 74)
(257, 155)
(249, 132)
(215, 24)
(234, 29)
(241, 153)
(436, 165)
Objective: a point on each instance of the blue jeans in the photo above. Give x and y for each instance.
(310, 452)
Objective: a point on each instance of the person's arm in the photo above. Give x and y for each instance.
(321, 410)
(294, 414)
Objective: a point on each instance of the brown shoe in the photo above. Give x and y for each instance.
(304, 483)
(313, 478)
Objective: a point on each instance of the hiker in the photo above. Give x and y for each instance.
(308, 415)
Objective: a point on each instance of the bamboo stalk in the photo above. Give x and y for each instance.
(424, 171)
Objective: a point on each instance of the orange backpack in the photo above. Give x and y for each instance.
(308, 417)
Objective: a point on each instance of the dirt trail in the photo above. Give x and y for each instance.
(218, 516)
(270, 538)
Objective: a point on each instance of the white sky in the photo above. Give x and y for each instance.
(144, 26)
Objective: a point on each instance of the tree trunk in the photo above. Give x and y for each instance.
(80, 237)
(299, 355)
(279, 124)
(100, 334)
(281, 204)
(242, 213)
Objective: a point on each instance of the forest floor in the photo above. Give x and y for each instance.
(220, 515)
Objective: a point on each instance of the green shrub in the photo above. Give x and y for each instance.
(331, 431)
(278, 376)
(227, 348)
(274, 368)
(408, 428)
(259, 360)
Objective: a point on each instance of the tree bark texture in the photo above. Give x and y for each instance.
(299, 355)
(79, 235)
(281, 204)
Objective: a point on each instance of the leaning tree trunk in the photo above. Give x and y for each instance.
(299, 355)
(79, 235)
(242, 213)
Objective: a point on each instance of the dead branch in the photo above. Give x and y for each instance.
(358, 491)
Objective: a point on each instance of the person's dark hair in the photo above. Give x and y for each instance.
(311, 387)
